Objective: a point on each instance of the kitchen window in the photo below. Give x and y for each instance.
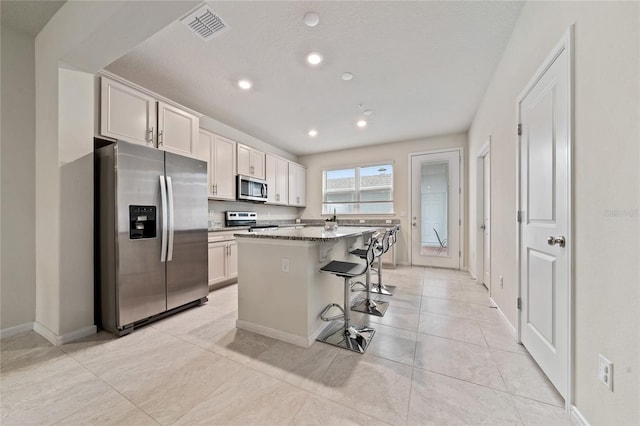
(358, 190)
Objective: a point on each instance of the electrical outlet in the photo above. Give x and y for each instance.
(285, 264)
(387, 221)
(501, 282)
(361, 221)
(605, 372)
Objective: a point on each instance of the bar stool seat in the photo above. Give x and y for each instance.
(342, 333)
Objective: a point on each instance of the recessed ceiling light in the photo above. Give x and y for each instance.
(368, 112)
(245, 84)
(362, 123)
(314, 58)
(313, 133)
(347, 76)
(311, 19)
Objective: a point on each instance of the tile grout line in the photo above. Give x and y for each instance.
(110, 387)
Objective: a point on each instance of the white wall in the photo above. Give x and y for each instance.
(75, 161)
(64, 137)
(18, 280)
(398, 152)
(606, 187)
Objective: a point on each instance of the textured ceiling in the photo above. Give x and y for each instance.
(422, 67)
(28, 16)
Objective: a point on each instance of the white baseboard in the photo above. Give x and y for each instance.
(11, 331)
(277, 334)
(504, 317)
(65, 338)
(577, 418)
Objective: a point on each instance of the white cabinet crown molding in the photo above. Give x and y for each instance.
(158, 97)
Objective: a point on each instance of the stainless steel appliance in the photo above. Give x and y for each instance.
(240, 218)
(246, 219)
(251, 189)
(151, 234)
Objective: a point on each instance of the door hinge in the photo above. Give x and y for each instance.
(519, 303)
(519, 129)
(519, 216)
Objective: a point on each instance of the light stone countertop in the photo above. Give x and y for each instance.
(310, 233)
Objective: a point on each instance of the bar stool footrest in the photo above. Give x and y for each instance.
(323, 314)
(371, 307)
(358, 283)
(387, 290)
(356, 338)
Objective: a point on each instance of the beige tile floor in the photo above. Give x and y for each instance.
(441, 355)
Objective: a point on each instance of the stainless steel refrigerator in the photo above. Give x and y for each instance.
(151, 234)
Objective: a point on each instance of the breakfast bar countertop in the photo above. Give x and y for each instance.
(310, 233)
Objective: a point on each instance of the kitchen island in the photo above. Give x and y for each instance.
(281, 290)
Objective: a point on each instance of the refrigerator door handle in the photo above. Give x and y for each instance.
(171, 215)
(163, 241)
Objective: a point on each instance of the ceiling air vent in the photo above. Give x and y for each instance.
(205, 23)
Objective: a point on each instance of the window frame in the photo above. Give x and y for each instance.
(357, 189)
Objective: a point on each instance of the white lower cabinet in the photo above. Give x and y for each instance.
(223, 259)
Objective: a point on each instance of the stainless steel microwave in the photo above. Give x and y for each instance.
(251, 189)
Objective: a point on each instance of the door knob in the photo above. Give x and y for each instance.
(483, 227)
(414, 224)
(556, 241)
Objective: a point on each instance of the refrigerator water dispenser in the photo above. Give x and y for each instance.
(142, 222)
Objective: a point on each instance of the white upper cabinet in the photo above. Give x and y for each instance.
(250, 162)
(177, 130)
(277, 176)
(131, 115)
(297, 185)
(127, 114)
(224, 170)
(206, 142)
(221, 165)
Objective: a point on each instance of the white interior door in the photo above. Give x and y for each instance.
(544, 112)
(435, 209)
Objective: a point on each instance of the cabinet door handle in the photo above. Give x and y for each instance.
(150, 132)
(160, 138)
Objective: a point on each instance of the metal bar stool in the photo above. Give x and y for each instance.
(388, 240)
(368, 305)
(342, 333)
